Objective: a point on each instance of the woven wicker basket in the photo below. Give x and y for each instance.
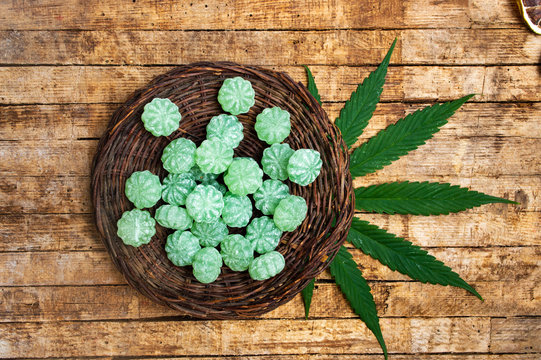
(126, 147)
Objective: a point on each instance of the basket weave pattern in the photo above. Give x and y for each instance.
(127, 147)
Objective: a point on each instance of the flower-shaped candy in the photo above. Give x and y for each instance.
(177, 187)
(219, 186)
(136, 227)
(181, 246)
(275, 160)
(304, 166)
(237, 252)
(210, 234)
(207, 264)
(173, 217)
(236, 95)
(290, 213)
(205, 203)
(273, 125)
(161, 117)
(267, 266)
(237, 210)
(243, 176)
(143, 189)
(263, 234)
(202, 177)
(179, 156)
(213, 156)
(226, 128)
(269, 195)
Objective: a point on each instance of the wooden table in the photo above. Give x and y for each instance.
(66, 65)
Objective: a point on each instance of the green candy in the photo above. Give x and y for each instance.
(243, 176)
(177, 187)
(263, 234)
(173, 217)
(205, 203)
(161, 117)
(210, 234)
(207, 264)
(219, 186)
(236, 95)
(226, 128)
(181, 246)
(202, 177)
(304, 166)
(237, 210)
(290, 213)
(237, 252)
(272, 125)
(179, 156)
(143, 189)
(213, 156)
(275, 160)
(269, 195)
(136, 227)
(266, 266)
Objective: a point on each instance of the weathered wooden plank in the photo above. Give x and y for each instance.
(242, 337)
(246, 14)
(336, 47)
(75, 121)
(104, 84)
(393, 299)
(515, 335)
(96, 268)
(360, 357)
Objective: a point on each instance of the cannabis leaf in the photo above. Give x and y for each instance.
(400, 138)
(402, 256)
(312, 88)
(352, 283)
(307, 293)
(359, 108)
(420, 198)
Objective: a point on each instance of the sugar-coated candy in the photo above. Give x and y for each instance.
(275, 160)
(243, 176)
(205, 203)
(236, 95)
(273, 125)
(237, 210)
(161, 117)
(143, 189)
(136, 227)
(181, 246)
(210, 234)
(207, 264)
(213, 156)
(304, 166)
(290, 213)
(173, 217)
(237, 252)
(177, 187)
(226, 128)
(219, 186)
(269, 195)
(179, 156)
(266, 266)
(263, 234)
(202, 177)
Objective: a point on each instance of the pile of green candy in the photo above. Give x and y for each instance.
(202, 209)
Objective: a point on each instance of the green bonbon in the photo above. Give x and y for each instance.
(263, 234)
(237, 252)
(181, 246)
(266, 266)
(205, 203)
(237, 210)
(290, 213)
(226, 128)
(161, 117)
(273, 125)
(218, 186)
(213, 156)
(207, 264)
(136, 227)
(179, 156)
(143, 189)
(304, 166)
(177, 187)
(275, 160)
(243, 176)
(202, 177)
(210, 234)
(173, 217)
(236, 95)
(269, 195)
